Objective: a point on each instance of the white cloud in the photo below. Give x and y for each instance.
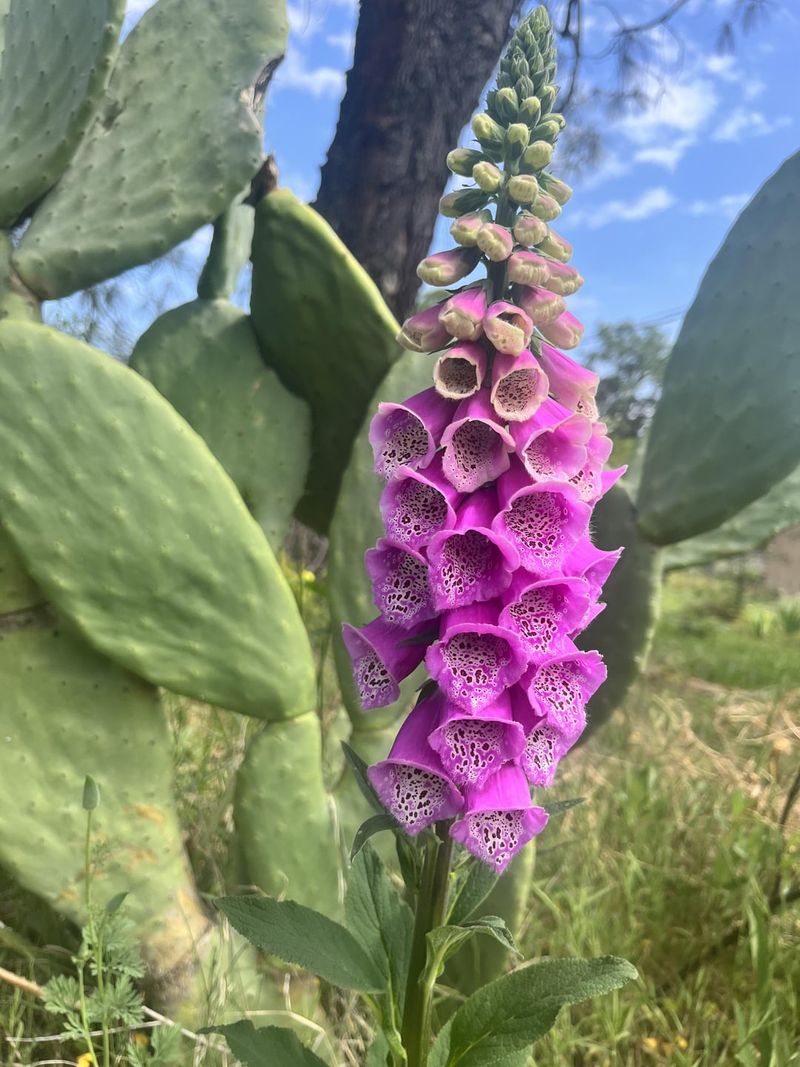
(724, 66)
(136, 8)
(344, 41)
(666, 155)
(610, 166)
(729, 205)
(742, 123)
(682, 107)
(319, 81)
(651, 202)
(304, 186)
(752, 88)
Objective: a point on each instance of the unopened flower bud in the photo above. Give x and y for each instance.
(546, 131)
(523, 188)
(537, 155)
(548, 97)
(462, 315)
(487, 176)
(517, 137)
(424, 332)
(461, 201)
(525, 88)
(444, 268)
(529, 230)
(557, 117)
(559, 190)
(507, 327)
(519, 66)
(530, 110)
(526, 268)
(565, 331)
(464, 230)
(561, 278)
(540, 305)
(462, 160)
(490, 134)
(506, 104)
(556, 246)
(496, 242)
(546, 207)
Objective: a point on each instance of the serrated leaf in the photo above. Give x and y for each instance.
(269, 1046)
(375, 824)
(477, 883)
(445, 941)
(359, 771)
(304, 937)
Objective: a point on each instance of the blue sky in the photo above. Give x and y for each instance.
(648, 218)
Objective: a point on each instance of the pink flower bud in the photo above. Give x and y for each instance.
(507, 327)
(565, 331)
(561, 278)
(559, 190)
(445, 268)
(495, 242)
(557, 247)
(540, 305)
(424, 331)
(537, 155)
(464, 230)
(459, 371)
(526, 268)
(529, 230)
(487, 176)
(523, 188)
(546, 207)
(462, 315)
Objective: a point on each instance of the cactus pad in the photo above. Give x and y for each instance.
(331, 345)
(356, 526)
(204, 358)
(284, 825)
(17, 589)
(727, 426)
(622, 633)
(54, 65)
(171, 146)
(136, 534)
(68, 712)
(230, 250)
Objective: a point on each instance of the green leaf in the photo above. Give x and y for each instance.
(726, 428)
(378, 1052)
(91, 794)
(304, 937)
(475, 886)
(116, 902)
(269, 1046)
(560, 806)
(359, 769)
(375, 824)
(445, 941)
(499, 1024)
(380, 921)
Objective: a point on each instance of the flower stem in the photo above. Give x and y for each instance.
(431, 903)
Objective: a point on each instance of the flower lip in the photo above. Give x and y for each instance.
(477, 445)
(552, 445)
(507, 327)
(561, 687)
(545, 612)
(459, 371)
(407, 434)
(400, 583)
(519, 387)
(382, 656)
(417, 504)
(473, 747)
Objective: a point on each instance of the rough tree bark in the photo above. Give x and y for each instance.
(418, 71)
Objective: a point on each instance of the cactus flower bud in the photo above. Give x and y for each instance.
(557, 247)
(461, 201)
(530, 109)
(490, 134)
(462, 315)
(565, 331)
(424, 331)
(461, 161)
(507, 327)
(562, 279)
(529, 230)
(546, 131)
(540, 305)
(487, 176)
(517, 137)
(496, 242)
(460, 371)
(537, 155)
(526, 268)
(546, 207)
(445, 268)
(523, 188)
(559, 190)
(506, 104)
(464, 230)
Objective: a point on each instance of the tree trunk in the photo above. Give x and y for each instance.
(418, 71)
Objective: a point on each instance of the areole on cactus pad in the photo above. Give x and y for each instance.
(487, 570)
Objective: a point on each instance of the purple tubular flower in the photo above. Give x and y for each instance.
(542, 520)
(462, 315)
(411, 782)
(519, 386)
(473, 747)
(445, 268)
(459, 371)
(474, 659)
(471, 562)
(400, 584)
(561, 279)
(424, 332)
(417, 504)
(562, 686)
(507, 327)
(591, 563)
(383, 655)
(499, 818)
(477, 445)
(539, 304)
(552, 444)
(544, 743)
(565, 330)
(546, 613)
(571, 384)
(407, 435)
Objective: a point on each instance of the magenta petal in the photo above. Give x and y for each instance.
(563, 685)
(459, 371)
(552, 444)
(545, 613)
(400, 583)
(543, 521)
(424, 332)
(411, 782)
(544, 743)
(417, 504)
(565, 331)
(462, 315)
(571, 384)
(383, 655)
(519, 386)
(471, 562)
(588, 561)
(474, 660)
(477, 445)
(473, 747)
(407, 435)
(499, 818)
